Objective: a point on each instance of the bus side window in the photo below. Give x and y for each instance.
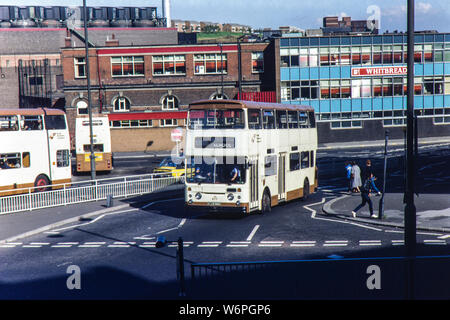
(10, 160)
(311, 159)
(254, 119)
(26, 159)
(270, 165)
(269, 119)
(305, 160)
(9, 123)
(281, 119)
(31, 123)
(292, 118)
(303, 119)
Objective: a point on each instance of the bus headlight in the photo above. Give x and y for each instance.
(198, 196)
(230, 197)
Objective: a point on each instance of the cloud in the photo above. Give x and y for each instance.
(423, 7)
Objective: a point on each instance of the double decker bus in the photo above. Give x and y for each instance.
(101, 145)
(34, 150)
(249, 156)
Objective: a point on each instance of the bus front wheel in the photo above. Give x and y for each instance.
(266, 205)
(41, 183)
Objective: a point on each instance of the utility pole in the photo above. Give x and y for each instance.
(381, 205)
(88, 79)
(410, 209)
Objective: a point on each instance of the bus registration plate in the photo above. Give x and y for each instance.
(213, 204)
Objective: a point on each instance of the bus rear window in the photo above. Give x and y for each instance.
(97, 147)
(55, 122)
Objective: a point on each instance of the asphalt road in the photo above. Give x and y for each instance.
(116, 256)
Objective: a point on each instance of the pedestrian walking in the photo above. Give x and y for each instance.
(356, 177)
(348, 168)
(365, 198)
(369, 173)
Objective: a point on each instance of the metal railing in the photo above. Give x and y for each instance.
(84, 191)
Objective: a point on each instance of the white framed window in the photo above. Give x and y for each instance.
(210, 63)
(169, 65)
(80, 67)
(168, 122)
(131, 124)
(121, 104)
(169, 102)
(127, 66)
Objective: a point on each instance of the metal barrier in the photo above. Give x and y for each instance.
(84, 191)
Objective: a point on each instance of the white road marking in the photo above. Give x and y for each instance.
(237, 244)
(398, 242)
(335, 243)
(210, 244)
(270, 244)
(370, 242)
(435, 242)
(250, 237)
(152, 203)
(303, 243)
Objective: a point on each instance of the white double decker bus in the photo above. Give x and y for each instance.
(249, 156)
(34, 150)
(101, 145)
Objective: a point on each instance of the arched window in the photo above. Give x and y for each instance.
(82, 107)
(121, 104)
(218, 96)
(170, 102)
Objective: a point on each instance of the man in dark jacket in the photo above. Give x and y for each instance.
(365, 197)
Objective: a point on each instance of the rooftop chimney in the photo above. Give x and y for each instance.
(166, 12)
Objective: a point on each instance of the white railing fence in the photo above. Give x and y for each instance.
(85, 191)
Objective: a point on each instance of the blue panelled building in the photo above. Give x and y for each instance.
(357, 84)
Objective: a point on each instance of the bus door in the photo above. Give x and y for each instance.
(282, 177)
(253, 181)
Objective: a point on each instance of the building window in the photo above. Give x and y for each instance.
(127, 66)
(169, 65)
(258, 62)
(168, 122)
(80, 67)
(210, 63)
(218, 96)
(118, 124)
(170, 102)
(82, 107)
(121, 104)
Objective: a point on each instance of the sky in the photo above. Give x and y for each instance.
(304, 14)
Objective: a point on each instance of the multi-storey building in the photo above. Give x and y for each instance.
(357, 83)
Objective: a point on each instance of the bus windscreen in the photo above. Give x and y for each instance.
(216, 119)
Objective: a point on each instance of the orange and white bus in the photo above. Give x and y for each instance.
(101, 145)
(34, 150)
(249, 156)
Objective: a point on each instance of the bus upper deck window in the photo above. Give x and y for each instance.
(281, 119)
(254, 119)
(55, 122)
(31, 123)
(9, 123)
(269, 119)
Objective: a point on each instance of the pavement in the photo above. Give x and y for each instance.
(19, 225)
(432, 210)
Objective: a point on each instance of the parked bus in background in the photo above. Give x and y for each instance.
(34, 150)
(249, 156)
(102, 144)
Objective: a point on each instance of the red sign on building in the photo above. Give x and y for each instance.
(379, 71)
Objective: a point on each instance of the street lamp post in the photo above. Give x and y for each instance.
(410, 209)
(88, 80)
(221, 68)
(381, 206)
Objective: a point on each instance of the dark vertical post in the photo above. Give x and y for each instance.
(180, 256)
(410, 209)
(221, 67)
(240, 68)
(381, 206)
(88, 79)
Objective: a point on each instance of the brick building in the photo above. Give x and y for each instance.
(145, 89)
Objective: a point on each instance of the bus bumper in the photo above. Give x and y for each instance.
(217, 208)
